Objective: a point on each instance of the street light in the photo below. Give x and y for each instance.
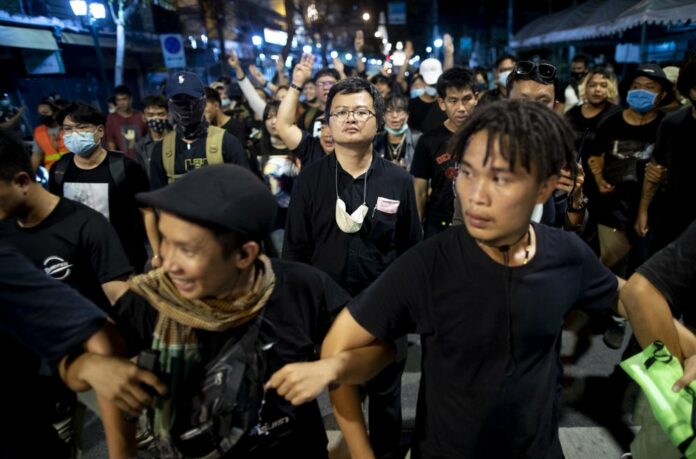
(257, 40)
(307, 49)
(438, 43)
(97, 11)
(366, 16)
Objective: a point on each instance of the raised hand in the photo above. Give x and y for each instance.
(338, 64)
(257, 74)
(408, 50)
(303, 70)
(448, 44)
(233, 60)
(359, 42)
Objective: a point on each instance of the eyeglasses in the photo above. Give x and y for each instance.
(361, 114)
(395, 111)
(325, 84)
(543, 69)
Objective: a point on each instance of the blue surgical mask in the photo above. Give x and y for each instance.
(641, 100)
(397, 132)
(431, 91)
(80, 143)
(417, 92)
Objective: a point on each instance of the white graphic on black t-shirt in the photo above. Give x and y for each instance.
(57, 268)
(629, 148)
(94, 195)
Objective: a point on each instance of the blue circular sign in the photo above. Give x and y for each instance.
(172, 45)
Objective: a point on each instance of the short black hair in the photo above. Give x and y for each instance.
(396, 101)
(156, 100)
(502, 58)
(584, 58)
(354, 85)
(326, 71)
(81, 113)
(687, 75)
(48, 102)
(379, 78)
(524, 131)
(212, 96)
(14, 156)
(122, 90)
(481, 71)
(457, 78)
(532, 76)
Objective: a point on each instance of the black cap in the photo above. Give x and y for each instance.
(184, 83)
(652, 71)
(219, 196)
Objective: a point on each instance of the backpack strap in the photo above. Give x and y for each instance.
(168, 149)
(117, 169)
(213, 145)
(59, 168)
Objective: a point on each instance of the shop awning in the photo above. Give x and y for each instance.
(22, 37)
(596, 18)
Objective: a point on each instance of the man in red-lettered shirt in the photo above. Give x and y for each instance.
(125, 126)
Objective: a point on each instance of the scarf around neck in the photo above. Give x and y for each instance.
(175, 337)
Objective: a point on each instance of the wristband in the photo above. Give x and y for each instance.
(294, 86)
(242, 78)
(580, 209)
(265, 85)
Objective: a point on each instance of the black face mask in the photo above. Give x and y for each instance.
(578, 76)
(188, 117)
(46, 119)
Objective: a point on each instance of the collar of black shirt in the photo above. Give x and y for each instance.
(376, 164)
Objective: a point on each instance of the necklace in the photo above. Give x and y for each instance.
(505, 249)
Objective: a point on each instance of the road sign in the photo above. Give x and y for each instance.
(173, 51)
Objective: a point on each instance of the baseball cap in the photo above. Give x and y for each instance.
(186, 83)
(430, 70)
(219, 196)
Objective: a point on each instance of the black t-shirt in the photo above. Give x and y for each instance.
(626, 149)
(474, 400)
(74, 244)
(188, 157)
(296, 317)
(432, 161)
(672, 271)
(309, 121)
(424, 116)
(237, 129)
(46, 316)
(41, 320)
(390, 227)
(97, 189)
(309, 149)
(675, 150)
(586, 128)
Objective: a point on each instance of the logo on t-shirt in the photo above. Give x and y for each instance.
(57, 268)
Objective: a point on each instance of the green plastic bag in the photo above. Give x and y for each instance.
(656, 370)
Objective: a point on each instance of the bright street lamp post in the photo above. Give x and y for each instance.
(97, 11)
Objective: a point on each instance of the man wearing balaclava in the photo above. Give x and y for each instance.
(193, 143)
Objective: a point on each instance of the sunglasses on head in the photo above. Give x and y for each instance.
(543, 69)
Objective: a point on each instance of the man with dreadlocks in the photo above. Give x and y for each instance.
(214, 287)
(488, 299)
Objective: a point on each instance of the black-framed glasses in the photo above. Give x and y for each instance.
(544, 69)
(360, 114)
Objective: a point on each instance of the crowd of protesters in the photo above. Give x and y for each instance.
(301, 227)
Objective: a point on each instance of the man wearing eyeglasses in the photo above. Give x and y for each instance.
(351, 215)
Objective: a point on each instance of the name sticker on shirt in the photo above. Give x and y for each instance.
(388, 206)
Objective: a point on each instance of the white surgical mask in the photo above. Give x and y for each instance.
(503, 76)
(350, 223)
